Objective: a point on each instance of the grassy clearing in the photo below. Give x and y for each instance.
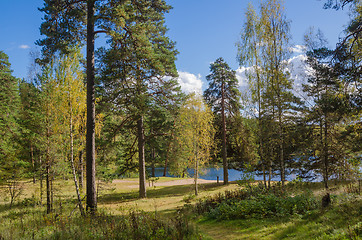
(122, 214)
(122, 211)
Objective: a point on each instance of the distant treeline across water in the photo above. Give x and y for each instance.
(213, 173)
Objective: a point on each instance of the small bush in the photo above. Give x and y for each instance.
(189, 198)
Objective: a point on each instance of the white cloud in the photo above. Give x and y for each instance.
(298, 49)
(300, 72)
(190, 82)
(241, 76)
(24, 46)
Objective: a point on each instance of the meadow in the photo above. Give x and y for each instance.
(171, 211)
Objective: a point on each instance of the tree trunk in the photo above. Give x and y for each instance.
(153, 163)
(281, 144)
(48, 187)
(223, 151)
(72, 161)
(196, 174)
(264, 174)
(33, 162)
(41, 179)
(90, 139)
(325, 153)
(80, 171)
(51, 190)
(270, 173)
(167, 156)
(165, 167)
(141, 158)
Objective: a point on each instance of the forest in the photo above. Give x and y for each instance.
(82, 139)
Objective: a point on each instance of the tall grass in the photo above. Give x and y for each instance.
(33, 223)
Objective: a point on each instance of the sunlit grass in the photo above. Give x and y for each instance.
(120, 198)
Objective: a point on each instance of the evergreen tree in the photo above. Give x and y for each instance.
(224, 98)
(30, 126)
(70, 23)
(325, 88)
(10, 164)
(134, 69)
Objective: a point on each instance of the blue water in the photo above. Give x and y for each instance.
(213, 173)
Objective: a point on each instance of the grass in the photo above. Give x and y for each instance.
(342, 220)
(334, 223)
(118, 202)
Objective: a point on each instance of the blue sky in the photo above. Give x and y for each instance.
(203, 30)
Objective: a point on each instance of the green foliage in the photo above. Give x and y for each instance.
(264, 205)
(246, 178)
(264, 48)
(11, 165)
(223, 87)
(194, 137)
(254, 201)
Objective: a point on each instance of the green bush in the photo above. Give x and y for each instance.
(264, 205)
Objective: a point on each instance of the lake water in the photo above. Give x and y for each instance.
(213, 173)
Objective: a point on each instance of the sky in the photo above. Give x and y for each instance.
(203, 30)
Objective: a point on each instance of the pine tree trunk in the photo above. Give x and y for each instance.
(33, 162)
(41, 179)
(48, 187)
(167, 156)
(224, 153)
(141, 158)
(153, 163)
(90, 139)
(166, 160)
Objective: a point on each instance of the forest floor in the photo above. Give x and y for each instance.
(166, 195)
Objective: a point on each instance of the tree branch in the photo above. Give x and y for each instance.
(100, 31)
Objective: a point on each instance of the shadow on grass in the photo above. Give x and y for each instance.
(158, 192)
(238, 229)
(334, 220)
(330, 221)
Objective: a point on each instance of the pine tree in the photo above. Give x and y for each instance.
(135, 67)
(324, 87)
(70, 23)
(9, 117)
(224, 98)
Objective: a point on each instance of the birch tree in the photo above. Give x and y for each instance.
(195, 137)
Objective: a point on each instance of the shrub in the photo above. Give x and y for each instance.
(264, 205)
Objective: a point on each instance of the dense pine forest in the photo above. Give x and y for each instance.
(83, 136)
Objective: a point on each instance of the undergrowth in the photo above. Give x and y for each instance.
(32, 224)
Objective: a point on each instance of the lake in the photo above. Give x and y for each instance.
(213, 173)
